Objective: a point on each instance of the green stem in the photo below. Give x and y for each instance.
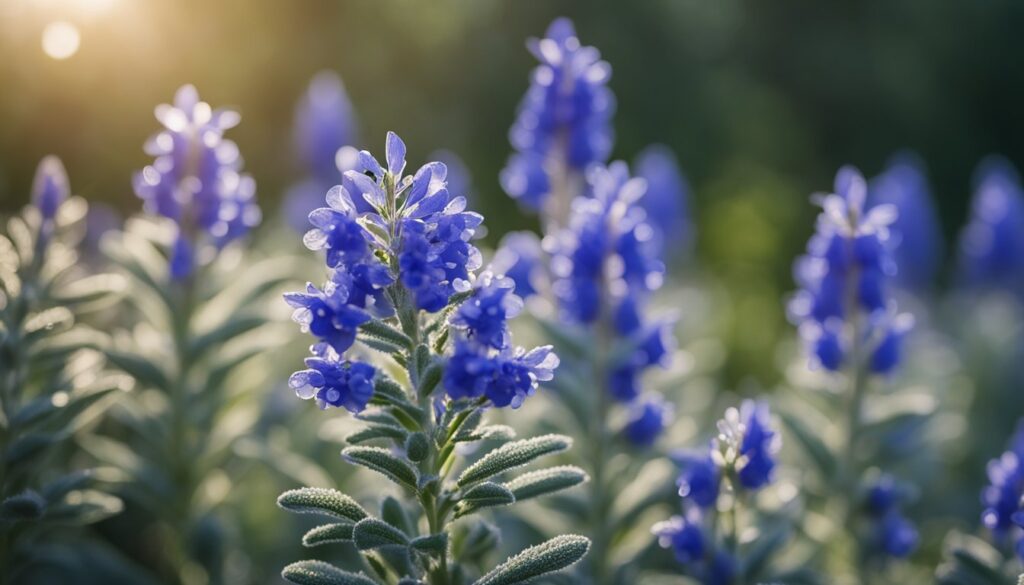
(180, 454)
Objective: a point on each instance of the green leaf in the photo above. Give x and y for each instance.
(546, 481)
(371, 533)
(381, 331)
(383, 462)
(28, 505)
(554, 555)
(512, 455)
(822, 456)
(65, 406)
(382, 346)
(387, 389)
(234, 327)
(488, 433)
(83, 507)
(432, 544)
(30, 446)
(377, 432)
(321, 573)
(484, 495)
(140, 368)
(310, 500)
(392, 512)
(328, 534)
(430, 378)
(91, 289)
(417, 447)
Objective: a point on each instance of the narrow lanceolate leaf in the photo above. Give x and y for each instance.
(512, 455)
(484, 495)
(328, 534)
(381, 331)
(812, 443)
(387, 389)
(554, 555)
(371, 533)
(28, 505)
(321, 501)
(545, 481)
(227, 331)
(321, 573)
(383, 462)
(376, 432)
(417, 447)
(430, 378)
(432, 544)
(138, 367)
(488, 433)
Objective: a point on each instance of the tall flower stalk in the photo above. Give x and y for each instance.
(563, 125)
(852, 328)
(202, 331)
(403, 282)
(52, 384)
(718, 487)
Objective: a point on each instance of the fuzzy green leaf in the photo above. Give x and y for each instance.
(430, 378)
(324, 501)
(484, 495)
(554, 555)
(815, 447)
(372, 533)
(432, 544)
(512, 455)
(488, 433)
(224, 332)
(328, 534)
(392, 512)
(381, 331)
(321, 573)
(28, 505)
(545, 481)
(417, 446)
(140, 368)
(383, 462)
(376, 432)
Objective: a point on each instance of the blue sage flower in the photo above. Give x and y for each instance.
(687, 536)
(917, 232)
(506, 378)
(564, 121)
(196, 178)
(700, 479)
(991, 247)
(684, 535)
(648, 418)
(666, 200)
(50, 188)
(1001, 498)
(520, 258)
(335, 383)
(891, 534)
(328, 314)
(749, 444)
(324, 123)
(484, 316)
(844, 277)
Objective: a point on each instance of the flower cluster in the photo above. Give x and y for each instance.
(404, 242)
(992, 244)
(49, 190)
(1003, 515)
(741, 458)
(891, 533)
(324, 129)
(564, 121)
(196, 178)
(485, 363)
(604, 266)
(843, 298)
(916, 232)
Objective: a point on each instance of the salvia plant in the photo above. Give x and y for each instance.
(53, 386)
(998, 558)
(403, 282)
(724, 534)
(197, 319)
(599, 265)
(854, 334)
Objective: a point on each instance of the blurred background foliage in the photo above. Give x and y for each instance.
(761, 101)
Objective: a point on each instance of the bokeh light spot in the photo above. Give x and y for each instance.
(61, 40)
